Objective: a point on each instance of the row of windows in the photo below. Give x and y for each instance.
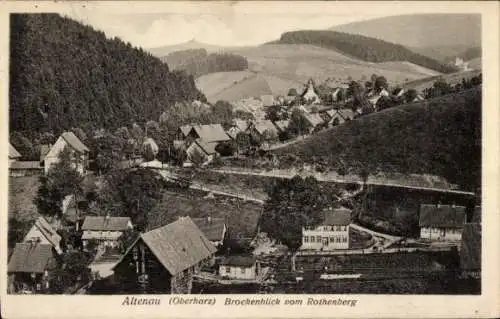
(242, 270)
(327, 228)
(319, 239)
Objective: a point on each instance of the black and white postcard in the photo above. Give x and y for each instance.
(249, 159)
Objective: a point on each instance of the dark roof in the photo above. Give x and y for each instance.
(476, 215)
(211, 133)
(178, 245)
(470, 250)
(239, 260)
(31, 258)
(25, 165)
(74, 141)
(109, 224)
(44, 149)
(337, 216)
(213, 229)
(185, 129)
(442, 216)
(13, 153)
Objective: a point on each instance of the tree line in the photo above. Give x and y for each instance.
(364, 48)
(197, 62)
(65, 74)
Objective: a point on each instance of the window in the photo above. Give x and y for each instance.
(306, 239)
(338, 239)
(339, 228)
(344, 239)
(228, 269)
(312, 239)
(242, 270)
(318, 239)
(332, 240)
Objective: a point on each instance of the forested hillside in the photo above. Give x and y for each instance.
(365, 48)
(469, 54)
(441, 137)
(64, 74)
(197, 62)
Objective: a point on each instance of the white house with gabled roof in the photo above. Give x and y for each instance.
(79, 151)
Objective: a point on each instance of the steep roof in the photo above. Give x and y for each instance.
(185, 129)
(211, 133)
(208, 148)
(441, 216)
(31, 258)
(48, 232)
(239, 260)
(314, 118)
(107, 224)
(337, 216)
(178, 245)
(282, 125)
(470, 250)
(264, 125)
(212, 228)
(74, 142)
(13, 153)
(242, 125)
(267, 100)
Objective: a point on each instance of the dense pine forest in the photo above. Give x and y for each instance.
(197, 62)
(365, 48)
(64, 74)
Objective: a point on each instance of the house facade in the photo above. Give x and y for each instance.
(30, 267)
(105, 230)
(332, 234)
(14, 155)
(25, 168)
(441, 222)
(310, 95)
(340, 116)
(80, 152)
(202, 148)
(238, 267)
(165, 259)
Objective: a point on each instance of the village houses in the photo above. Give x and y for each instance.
(105, 230)
(441, 222)
(165, 259)
(331, 234)
(30, 267)
(239, 267)
(78, 149)
(340, 116)
(214, 228)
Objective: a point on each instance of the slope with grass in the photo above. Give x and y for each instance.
(361, 47)
(440, 137)
(285, 66)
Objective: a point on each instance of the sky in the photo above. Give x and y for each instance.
(224, 23)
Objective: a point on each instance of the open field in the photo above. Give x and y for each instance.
(285, 66)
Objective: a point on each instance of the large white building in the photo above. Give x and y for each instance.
(79, 151)
(332, 234)
(442, 222)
